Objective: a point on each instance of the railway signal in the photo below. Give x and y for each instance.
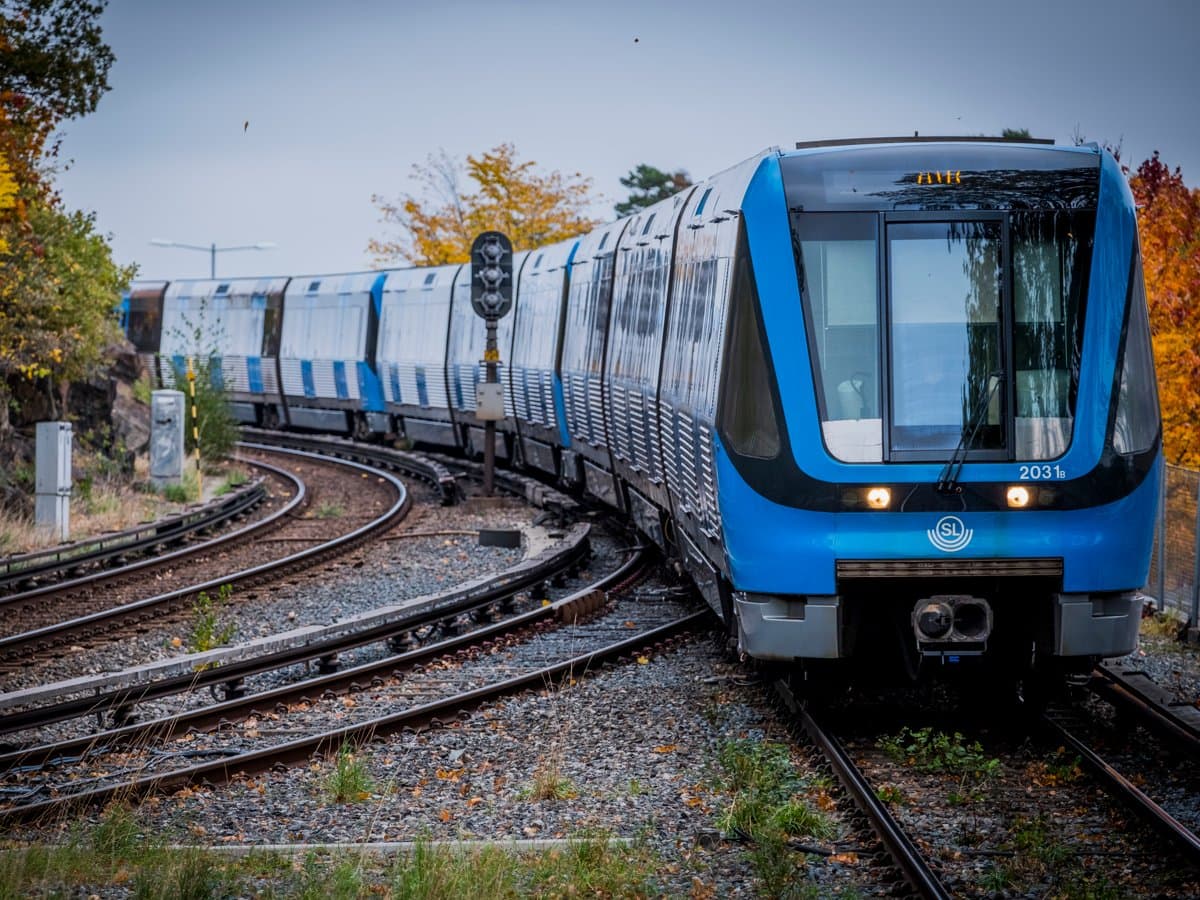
(491, 298)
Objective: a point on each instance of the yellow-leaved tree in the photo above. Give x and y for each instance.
(531, 207)
(1169, 227)
(8, 196)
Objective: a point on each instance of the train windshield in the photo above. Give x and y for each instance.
(938, 332)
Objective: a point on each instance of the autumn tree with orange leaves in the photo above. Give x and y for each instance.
(531, 207)
(1169, 227)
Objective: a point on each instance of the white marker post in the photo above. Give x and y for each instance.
(52, 508)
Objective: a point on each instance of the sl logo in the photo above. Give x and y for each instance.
(950, 534)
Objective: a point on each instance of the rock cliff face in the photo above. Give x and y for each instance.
(107, 421)
(105, 413)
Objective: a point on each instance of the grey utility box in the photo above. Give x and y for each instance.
(52, 506)
(489, 402)
(167, 413)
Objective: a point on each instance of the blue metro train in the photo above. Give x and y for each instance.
(886, 395)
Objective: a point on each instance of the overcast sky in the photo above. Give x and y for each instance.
(342, 98)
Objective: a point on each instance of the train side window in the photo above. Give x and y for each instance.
(1137, 421)
(271, 319)
(1051, 258)
(837, 268)
(145, 324)
(746, 418)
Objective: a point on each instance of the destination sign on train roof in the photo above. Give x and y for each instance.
(940, 177)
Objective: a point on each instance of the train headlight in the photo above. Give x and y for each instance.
(934, 619)
(879, 498)
(1018, 496)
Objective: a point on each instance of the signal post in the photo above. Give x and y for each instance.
(491, 298)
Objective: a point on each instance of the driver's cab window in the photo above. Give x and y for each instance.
(837, 256)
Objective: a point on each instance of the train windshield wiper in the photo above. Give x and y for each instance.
(948, 479)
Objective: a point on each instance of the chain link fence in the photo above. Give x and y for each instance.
(1173, 573)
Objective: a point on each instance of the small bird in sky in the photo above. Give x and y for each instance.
(245, 125)
(635, 40)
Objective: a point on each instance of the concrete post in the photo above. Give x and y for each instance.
(167, 416)
(52, 506)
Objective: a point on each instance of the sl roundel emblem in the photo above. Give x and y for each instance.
(950, 534)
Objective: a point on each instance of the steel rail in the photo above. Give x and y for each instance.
(298, 501)
(904, 853)
(142, 733)
(43, 637)
(418, 465)
(1157, 710)
(1129, 793)
(129, 540)
(450, 604)
(301, 749)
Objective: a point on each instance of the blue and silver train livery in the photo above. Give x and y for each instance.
(875, 396)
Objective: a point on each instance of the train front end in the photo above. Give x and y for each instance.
(957, 446)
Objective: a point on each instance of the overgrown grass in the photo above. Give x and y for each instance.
(1042, 862)
(349, 782)
(235, 479)
(214, 420)
(209, 629)
(119, 858)
(1161, 625)
(930, 750)
(548, 781)
(329, 510)
(768, 807)
(587, 867)
(143, 388)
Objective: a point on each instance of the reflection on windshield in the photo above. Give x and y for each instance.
(945, 312)
(949, 333)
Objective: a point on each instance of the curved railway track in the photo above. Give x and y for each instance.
(17, 647)
(525, 652)
(116, 548)
(48, 602)
(228, 667)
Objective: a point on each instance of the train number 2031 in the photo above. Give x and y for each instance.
(1042, 473)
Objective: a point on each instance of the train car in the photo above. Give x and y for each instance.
(890, 397)
(703, 283)
(465, 345)
(641, 292)
(587, 462)
(327, 353)
(534, 383)
(141, 314)
(937, 421)
(234, 322)
(411, 354)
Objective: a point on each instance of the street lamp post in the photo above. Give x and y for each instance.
(212, 250)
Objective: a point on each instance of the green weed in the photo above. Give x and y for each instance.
(929, 750)
(187, 875)
(766, 807)
(1161, 625)
(349, 782)
(549, 783)
(143, 388)
(209, 631)
(328, 510)
(234, 479)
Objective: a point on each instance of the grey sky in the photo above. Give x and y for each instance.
(342, 98)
